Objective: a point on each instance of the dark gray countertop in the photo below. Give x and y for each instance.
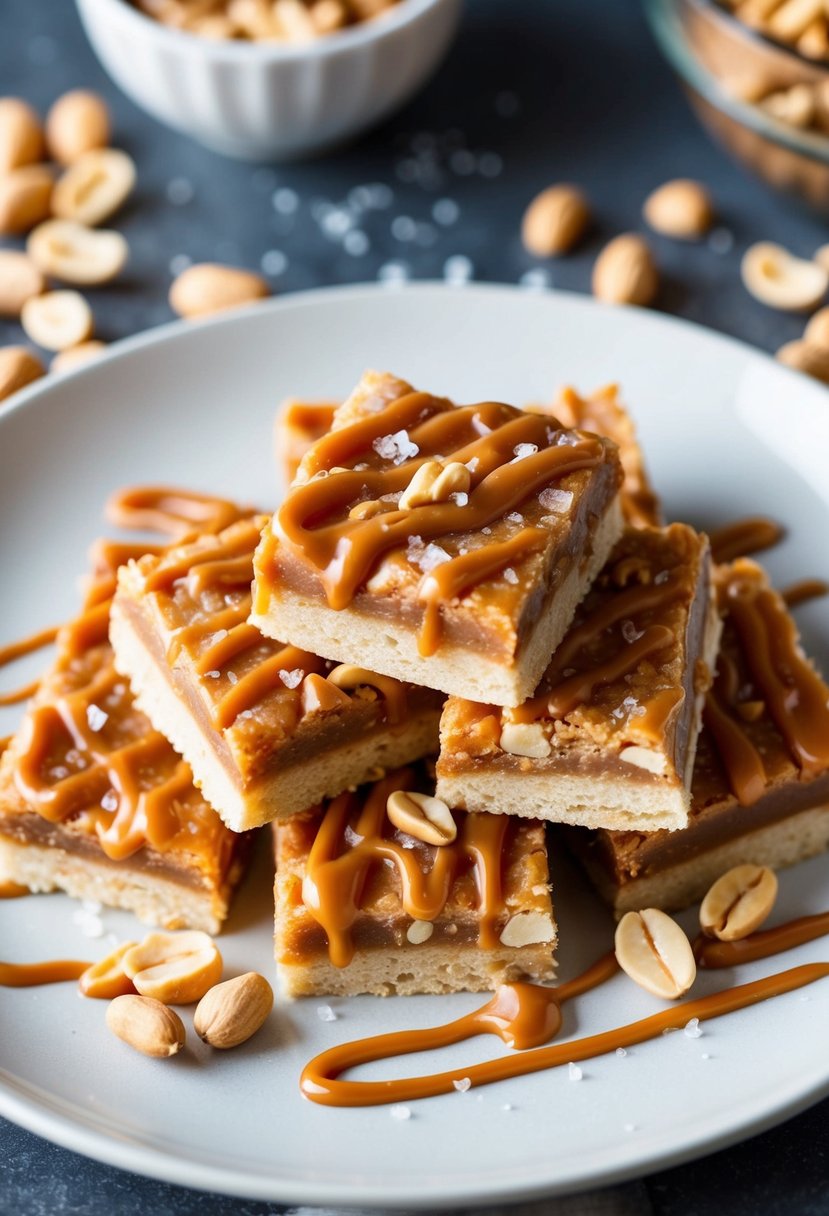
(534, 91)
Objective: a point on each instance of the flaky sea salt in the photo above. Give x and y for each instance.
(109, 802)
(96, 718)
(460, 498)
(515, 517)
(574, 1072)
(693, 1029)
(232, 677)
(291, 679)
(397, 447)
(522, 450)
(399, 1111)
(557, 501)
(511, 576)
(462, 1084)
(621, 1053)
(507, 1106)
(326, 1014)
(629, 1127)
(630, 633)
(473, 463)
(88, 919)
(213, 675)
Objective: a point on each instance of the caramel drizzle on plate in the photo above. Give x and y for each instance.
(744, 537)
(227, 646)
(27, 645)
(524, 1016)
(314, 519)
(12, 890)
(146, 781)
(804, 590)
(788, 688)
(353, 838)
(31, 975)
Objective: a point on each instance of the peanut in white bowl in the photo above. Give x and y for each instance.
(265, 101)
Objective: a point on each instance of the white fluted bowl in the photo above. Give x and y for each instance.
(265, 101)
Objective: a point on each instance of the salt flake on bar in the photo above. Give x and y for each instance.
(96, 718)
(291, 679)
(511, 576)
(109, 802)
(557, 501)
(396, 448)
(523, 450)
(462, 1084)
(630, 633)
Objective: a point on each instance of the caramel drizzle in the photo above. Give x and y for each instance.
(561, 694)
(803, 591)
(226, 564)
(105, 763)
(744, 537)
(12, 890)
(337, 870)
(30, 975)
(743, 763)
(524, 1016)
(16, 650)
(314, 519)
(797, 699)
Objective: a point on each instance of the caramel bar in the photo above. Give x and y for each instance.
(365, 907)
(608, 739)
(298, 425)
(268, 729)
(447, 546)
(761, 779)
(96, 803)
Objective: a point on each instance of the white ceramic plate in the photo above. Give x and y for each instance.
(727, 432)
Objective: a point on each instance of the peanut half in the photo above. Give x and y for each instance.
(147, 1025)
(525, 739)
(77, 356)
(105, 980)
(230, 1013)
(653, 950)
(77, 122)
(435, 482)
(817, 330)
(422, 816)
(555, 221)
(777, 278)
(76, 254)
(625, 272)
(738, 902)
(680, 209)
(25, 199)
(94, 187)
(208, 288)
(21, 137)
(527, 929)
(20, 280)
(18, 367)
(176, 968)
(57, 320)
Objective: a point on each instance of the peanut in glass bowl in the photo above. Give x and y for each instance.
(269, 101)
(722, 63)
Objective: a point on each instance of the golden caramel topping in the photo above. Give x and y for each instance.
(355, 836)
(509, 456)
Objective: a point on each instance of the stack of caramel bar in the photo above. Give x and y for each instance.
(462, 624)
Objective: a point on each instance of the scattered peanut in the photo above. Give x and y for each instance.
(21, 137)
(74, 254)
(806, 357)
(738, 902)
(817, 330)
(527, 929)
(625, 272)
(20, 280)
(176, 968)
(18, 367)
(419, 931)
(653, 950)
(525, 739)
(435, 482)
(777, 278)
(680, 209)
(106, 979)
(208, 288)
(57, 320)
(146, 1025)
(77, 356)
(555, 221)
(77, 122)
(94, 187)
(422, 816)
(25, 198)
(644, 757)
(232, 1012)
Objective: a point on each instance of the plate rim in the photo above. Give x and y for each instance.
(38, 1116)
